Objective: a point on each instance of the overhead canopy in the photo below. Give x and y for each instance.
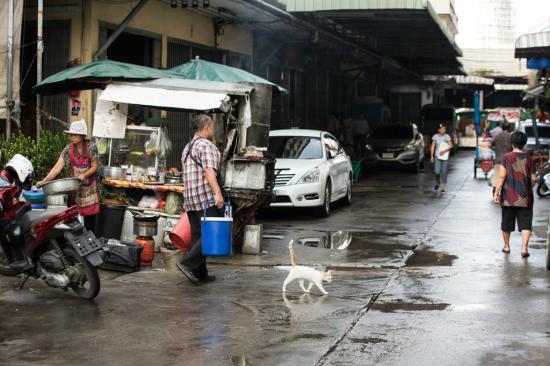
(533, 45)
(408, 30)
(211, 71)
(173, 93)
(95, 75)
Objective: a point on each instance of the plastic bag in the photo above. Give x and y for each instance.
(152, 145)
(173, 203)
(102, 145)
(164, 144)
(149, 202)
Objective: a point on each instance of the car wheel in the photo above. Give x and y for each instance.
(347, 198)
(324, 210)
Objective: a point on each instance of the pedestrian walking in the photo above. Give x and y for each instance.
(202, 192)
(440, 150)
(496, 131)
(82, 158)
(502, 144)
(514, 192)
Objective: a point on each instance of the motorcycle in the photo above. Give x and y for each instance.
(543, 180)
(58, 249)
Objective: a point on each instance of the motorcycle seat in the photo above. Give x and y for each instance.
(35, 216)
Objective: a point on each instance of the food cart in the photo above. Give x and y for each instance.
(239, 102)
(241, 114)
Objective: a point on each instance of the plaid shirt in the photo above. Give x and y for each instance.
(197, 192)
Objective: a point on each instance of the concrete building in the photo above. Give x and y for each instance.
(334, 57)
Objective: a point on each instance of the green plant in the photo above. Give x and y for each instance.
(106, 193)
(43, 154)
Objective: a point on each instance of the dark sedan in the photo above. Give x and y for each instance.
(397, 144)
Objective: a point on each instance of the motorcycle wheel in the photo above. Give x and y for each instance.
(88, 287)
(542, 190)
(5, 269)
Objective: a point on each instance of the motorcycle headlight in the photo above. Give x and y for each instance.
(310, 177)
(369, 147)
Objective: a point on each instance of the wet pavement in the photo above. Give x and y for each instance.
(419, 279)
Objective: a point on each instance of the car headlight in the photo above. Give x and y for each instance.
(310, 177)
(410, 146)
(369, 147)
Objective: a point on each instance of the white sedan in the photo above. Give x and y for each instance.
(312, 169)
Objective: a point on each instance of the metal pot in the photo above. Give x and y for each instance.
(61, 186)
(113, 172)
(57, 200)
(173, 180)
(145, 228)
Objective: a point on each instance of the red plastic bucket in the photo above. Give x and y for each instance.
(180, 235)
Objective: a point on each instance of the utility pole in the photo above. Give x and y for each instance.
(9, 94)
(39, 52)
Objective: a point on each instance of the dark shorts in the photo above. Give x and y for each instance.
(523, 216)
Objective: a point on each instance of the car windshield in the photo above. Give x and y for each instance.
(295, 147)
(393, 132)
(544, 132)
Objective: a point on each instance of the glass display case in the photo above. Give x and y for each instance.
(138, 152)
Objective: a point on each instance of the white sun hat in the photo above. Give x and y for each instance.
(78, 128)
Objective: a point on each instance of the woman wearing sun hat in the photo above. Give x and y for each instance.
(83, 159)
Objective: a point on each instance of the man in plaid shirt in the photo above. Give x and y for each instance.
(201, 160)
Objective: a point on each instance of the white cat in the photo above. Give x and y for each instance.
(303, 273)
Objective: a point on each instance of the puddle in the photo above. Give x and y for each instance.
(340, 240)
(400, 305)
(367, 340)
(426, 257)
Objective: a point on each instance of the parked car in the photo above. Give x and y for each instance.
(395, 144)
(543, 132)
(311, 170)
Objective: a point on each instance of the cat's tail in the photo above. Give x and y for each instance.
(292, 253)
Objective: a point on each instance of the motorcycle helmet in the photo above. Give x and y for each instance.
(21, 169)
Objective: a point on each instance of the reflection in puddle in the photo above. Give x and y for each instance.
(335, 240)
(239, 361)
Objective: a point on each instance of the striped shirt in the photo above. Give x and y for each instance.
(197, 192)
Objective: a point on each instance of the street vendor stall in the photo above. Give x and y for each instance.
(134, 156)
(242, 116)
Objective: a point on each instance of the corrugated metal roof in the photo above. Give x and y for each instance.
(408, 30)
(344, 6)
(533, 45)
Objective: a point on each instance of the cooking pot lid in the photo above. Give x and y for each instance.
(138, 216)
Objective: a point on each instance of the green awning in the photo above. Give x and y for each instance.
(96, 75)
(211, 71)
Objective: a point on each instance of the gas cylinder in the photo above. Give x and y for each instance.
(148, 253)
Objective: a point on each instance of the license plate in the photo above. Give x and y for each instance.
(85, 243)
(387, 155)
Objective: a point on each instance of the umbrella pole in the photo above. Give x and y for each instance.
(9, 83)
(39, 52)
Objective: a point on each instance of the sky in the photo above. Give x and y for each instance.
(527, 16)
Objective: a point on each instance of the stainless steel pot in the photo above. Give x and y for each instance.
(57, 200)
(145, 228)
(61, 186)
(113, 172)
